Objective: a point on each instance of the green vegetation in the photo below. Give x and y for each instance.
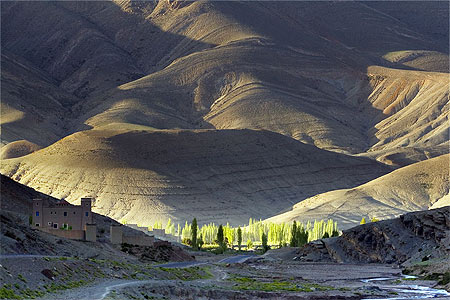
(245, 283)
(299, 236)
(239, 237)
(249, 244)
(220, 239)
(191, 273)
(170, 227)
(200, 242)
(21, 278)
(277, 234)
(194, 228)
(441, 278)
(265, 247)
(8, 294)
(445, 279)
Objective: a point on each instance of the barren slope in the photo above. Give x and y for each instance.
(414, 187)
(228, 175)
(351, 77)
(33, 107)
(300, 77)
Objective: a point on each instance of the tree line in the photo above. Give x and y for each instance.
(261, 233)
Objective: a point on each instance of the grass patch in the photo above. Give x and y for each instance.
(6, 292)
(192, 273)
(245, 283)
(53, 287)
(31, 294)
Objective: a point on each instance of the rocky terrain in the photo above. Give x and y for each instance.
(419, 241)
(177, 108)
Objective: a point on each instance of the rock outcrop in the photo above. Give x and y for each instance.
(413, 237)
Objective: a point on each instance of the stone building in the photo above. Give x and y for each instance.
(65, 220)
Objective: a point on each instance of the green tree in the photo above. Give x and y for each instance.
(326, 235)
(239, 238)
(265, 247)
(200, 242)
(220, 239)
(194, 234)
(363, 221)
(249, 244)
(302, 236)
(294, 235)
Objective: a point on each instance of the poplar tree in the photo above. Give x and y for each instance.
(265, 247)
(294, 235)
(239, 237)
(249, 244)
(194, 234)
(220, 236)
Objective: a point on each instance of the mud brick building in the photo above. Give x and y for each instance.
(65, 220)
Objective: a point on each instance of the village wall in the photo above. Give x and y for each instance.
(139, 240)
(69, 234)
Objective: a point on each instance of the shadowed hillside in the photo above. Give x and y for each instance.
(415, 187)
(222, 109)
(143, 176)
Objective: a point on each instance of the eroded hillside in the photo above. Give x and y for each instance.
(156, 107)
(145, 176)
(419, 186)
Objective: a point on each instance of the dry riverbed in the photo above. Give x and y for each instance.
(92, 279)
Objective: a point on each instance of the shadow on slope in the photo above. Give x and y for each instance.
(415, 187)
(214, 175)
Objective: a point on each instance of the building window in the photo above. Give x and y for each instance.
(55, 225)
(87, 214)
(37, 214)
(65, 214)
(37, 224)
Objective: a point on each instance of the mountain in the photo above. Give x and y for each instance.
(142, 175)
(368, 80)
(217, 64)
(418, 186)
